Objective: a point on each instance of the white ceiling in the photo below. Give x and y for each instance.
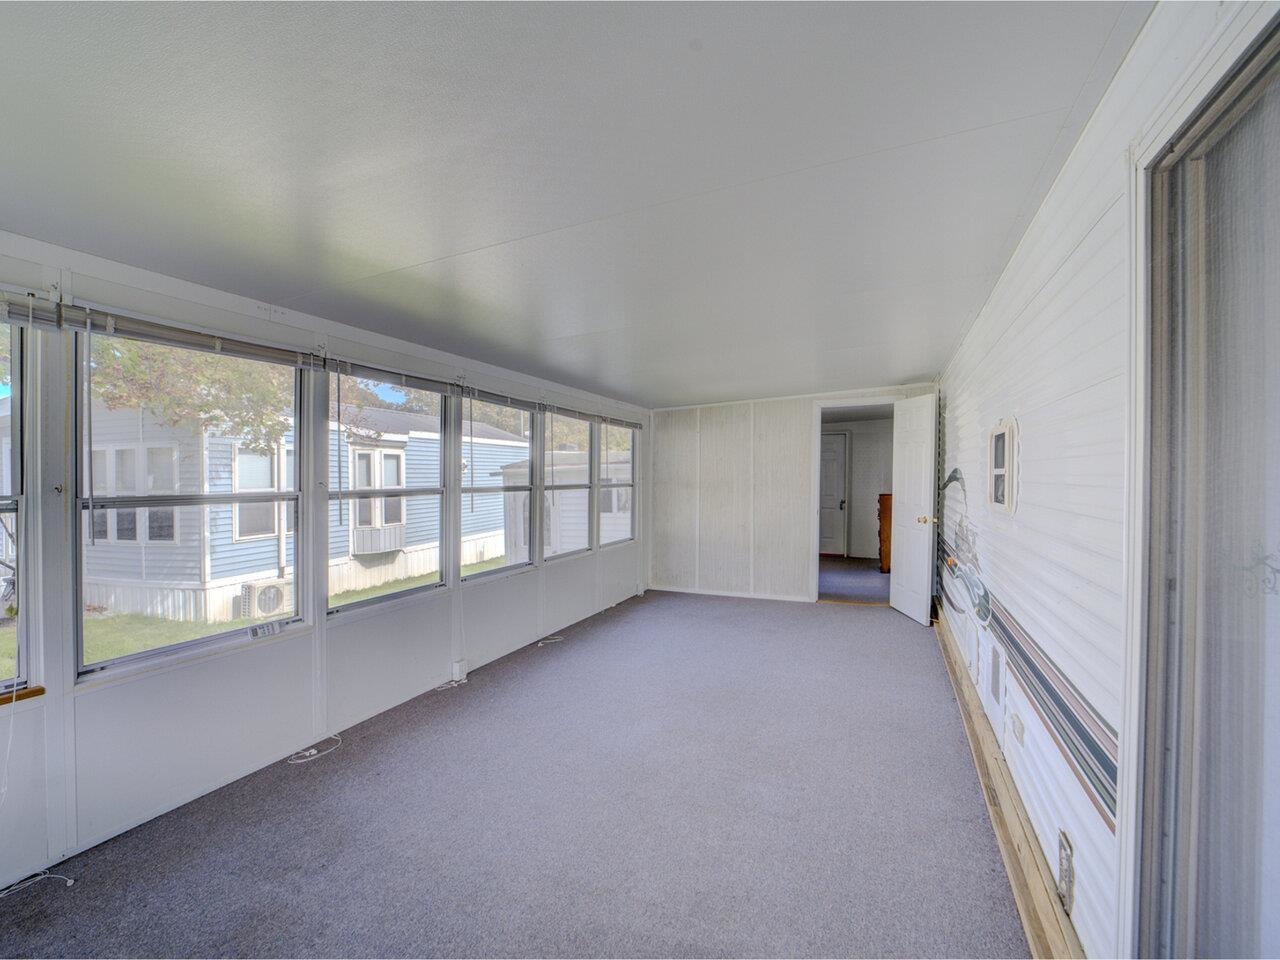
(665, 203)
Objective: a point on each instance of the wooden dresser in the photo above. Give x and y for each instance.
(886, 530)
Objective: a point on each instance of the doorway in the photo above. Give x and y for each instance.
(854, 504)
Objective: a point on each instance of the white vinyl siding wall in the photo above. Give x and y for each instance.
(1051, 348)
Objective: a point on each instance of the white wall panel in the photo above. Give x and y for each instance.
(569, 589)
(724, 498)
(619, 573)
(783, 455)
(24, 837)
(148, 743)
(383, 654)
(674, 557)
(499, 615)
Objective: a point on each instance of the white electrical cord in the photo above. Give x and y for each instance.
(315, 753)
(450, 684)
(545, 640)
(34, 878)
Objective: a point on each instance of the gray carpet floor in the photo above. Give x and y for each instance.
(680, 776)
(852, 579)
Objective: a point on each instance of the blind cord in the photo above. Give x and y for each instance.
(34, 878)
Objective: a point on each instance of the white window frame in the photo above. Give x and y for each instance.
(15, 505)
(613, 486)
(551, 489)
(350, 496)
(86, 502)
(535, 482)
(1008, 428)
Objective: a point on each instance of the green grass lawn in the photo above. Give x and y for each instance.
(492, 563)
(106, 638)
(391, 586)
(8, 649)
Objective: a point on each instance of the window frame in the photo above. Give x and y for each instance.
(375, 494)
(16, 505)
(84, 503)
(613, 486)
(1008, 429)
(551, 489)
(465, 489)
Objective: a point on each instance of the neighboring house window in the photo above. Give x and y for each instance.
(566, 459)
(1002, 451)
(115, 474)
(255, 472)
(378, 469)
(616, 472)
(392, 478)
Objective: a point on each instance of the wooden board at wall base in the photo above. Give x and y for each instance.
(1048, 928)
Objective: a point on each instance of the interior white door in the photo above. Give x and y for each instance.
(832, 490)
(915, 479)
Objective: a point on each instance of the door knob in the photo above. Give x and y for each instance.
(926, 519)
(842, 504)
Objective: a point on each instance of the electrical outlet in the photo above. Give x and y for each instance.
(1066, 872)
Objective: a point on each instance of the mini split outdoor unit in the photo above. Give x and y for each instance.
(264, 598)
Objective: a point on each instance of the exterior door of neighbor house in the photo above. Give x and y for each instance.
(915, 476)
(832, 490)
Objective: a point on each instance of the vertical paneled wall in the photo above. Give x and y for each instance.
(674, 552)
(732, 499)
(724, 498)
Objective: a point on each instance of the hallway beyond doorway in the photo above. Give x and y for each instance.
(852, 580)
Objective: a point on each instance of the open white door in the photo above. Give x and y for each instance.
(915, 479)
(832, 527)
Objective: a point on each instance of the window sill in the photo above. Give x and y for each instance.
(581, 552)
(22, 693)
(179, 656)
(501, 573)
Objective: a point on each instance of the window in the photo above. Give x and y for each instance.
(255, 472)
(496, 486)
(13, 648)
(616, 469)
(566, 462)
(180, 540)
(115, 474)
(383, 436)
(1001, 453)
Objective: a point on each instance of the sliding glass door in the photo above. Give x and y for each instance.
(1212, 794)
